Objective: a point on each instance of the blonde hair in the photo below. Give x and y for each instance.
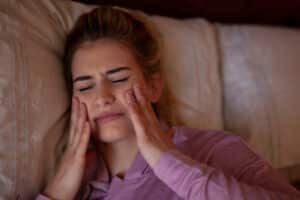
(118, 24)
(128, 27)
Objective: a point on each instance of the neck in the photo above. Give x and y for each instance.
(119, 155)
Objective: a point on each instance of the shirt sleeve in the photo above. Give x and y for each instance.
(42, 197)
(254, 178)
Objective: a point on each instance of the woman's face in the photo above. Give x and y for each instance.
(102, 71)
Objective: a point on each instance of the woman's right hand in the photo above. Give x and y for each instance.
(65, 184)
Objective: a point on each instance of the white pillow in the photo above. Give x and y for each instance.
(261, 89)
(33, 96)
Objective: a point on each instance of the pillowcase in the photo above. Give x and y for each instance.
(34, 103)
(261, 89)
(190, 61)
(32, 92)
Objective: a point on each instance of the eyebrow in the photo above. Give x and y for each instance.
(82, 78)
(109, 72)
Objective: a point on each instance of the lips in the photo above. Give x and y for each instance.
(107, 117)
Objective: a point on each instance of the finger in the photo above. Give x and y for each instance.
(80, 124)
(143, 101)
(135, 112)
(84, 139)
(73, 119)
(140, 96)
(75, 124)
(132, 102)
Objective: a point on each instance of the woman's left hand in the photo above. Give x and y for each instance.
(151, 139)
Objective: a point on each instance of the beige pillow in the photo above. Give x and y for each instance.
(261, 89)
(32, 92)
(33, 96)
(190, 65)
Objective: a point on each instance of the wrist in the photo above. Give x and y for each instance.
(50, 193)
(48, 196)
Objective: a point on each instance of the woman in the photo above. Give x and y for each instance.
(112, 70)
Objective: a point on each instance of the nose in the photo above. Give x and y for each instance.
(104, 97)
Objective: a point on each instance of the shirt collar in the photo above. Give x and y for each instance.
(138, 168)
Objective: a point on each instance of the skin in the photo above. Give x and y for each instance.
(119, 140)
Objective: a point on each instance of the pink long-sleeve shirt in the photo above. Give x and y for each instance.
(207, 165)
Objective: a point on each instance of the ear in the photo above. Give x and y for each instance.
(156, 85)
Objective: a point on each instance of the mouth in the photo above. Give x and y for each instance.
(108, 117)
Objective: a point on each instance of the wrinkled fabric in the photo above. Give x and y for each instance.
(207, 165)
(33, 98)
(190, 65)
(261, 89)
(34, 102)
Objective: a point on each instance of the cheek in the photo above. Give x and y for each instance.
(129, 86)
(87, 103)
(146, 87)
(120, 94)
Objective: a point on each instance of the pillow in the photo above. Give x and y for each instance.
(261, 89)
(34, 103)
(190, 65)
(32, 92)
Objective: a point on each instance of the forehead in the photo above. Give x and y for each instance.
(102, 55)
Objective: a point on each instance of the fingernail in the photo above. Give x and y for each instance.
(85, 111)
(76, 99)
(128, 94)
(84, 106)
(137, 86)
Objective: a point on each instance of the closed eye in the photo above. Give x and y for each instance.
(113, 81)
(86, 88)
(120, 80)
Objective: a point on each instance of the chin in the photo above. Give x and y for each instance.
(112, 137)
(114, 132)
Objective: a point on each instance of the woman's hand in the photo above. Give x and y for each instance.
(151, 139)
(65, 184)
